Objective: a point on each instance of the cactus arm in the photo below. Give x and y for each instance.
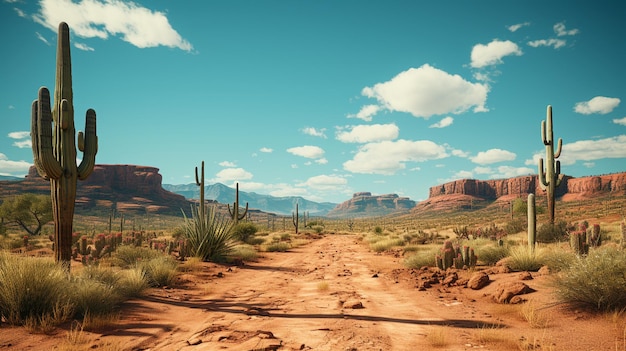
(43, 152)
(88, 145)
(558, 149)
(229, 210)
(243, 215)
(542, 176)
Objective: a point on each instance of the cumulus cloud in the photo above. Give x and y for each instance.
(510, 172)
(231, 175)
(13, 168)
(266, 150)
(556, 43)
(227, 164)
(325, 182)
(133, 23)
(445, 122)
(19, 135)
(387, 157)
(23, 140)
(427, 91)
(515, 27)
(369, 133)
(492, 53)
(560, 30)
(599, 104)
(314, 132)
(621, 121)
(588, 150)
(366, 113)
(307, 151)
(493, 156)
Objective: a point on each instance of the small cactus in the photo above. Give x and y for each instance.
(532, 223)
(449, 257)
(295, 218)
(234, 213)
(578, 242)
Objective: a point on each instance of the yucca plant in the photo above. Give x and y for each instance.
(209, 235)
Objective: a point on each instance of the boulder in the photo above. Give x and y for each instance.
(478, 281)
(506, 291)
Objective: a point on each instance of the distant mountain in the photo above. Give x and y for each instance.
(11, 178)
(266, 203)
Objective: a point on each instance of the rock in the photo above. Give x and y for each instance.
(525, 276)
(544, 270)
(505, 291)
(478, 281)
(353, 304)
(450, 279)
(366, 203)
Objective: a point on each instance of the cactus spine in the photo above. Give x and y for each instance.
(295, 218)
(200, 183)
(551, 178)
(532, 223)
(55, 154)
(235, 211)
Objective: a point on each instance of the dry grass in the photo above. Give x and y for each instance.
(535, 317)
(438, 337)
(323, 286)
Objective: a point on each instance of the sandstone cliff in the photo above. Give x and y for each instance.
(366, 204)
(127, 188)
(465, 193)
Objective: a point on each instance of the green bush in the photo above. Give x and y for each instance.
(278, 247)
(550, 233)
(94, 298)
(132, 282)
(30, 287)
(515, 226)
(127, 255)
(210, 237)
(386, 244)
(491, 254)
(159, 271)
(421, 259)
(244, 230)
(597, 280)
(522, 259)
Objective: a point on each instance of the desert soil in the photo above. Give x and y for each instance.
(335, 294)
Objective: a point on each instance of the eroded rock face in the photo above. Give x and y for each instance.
(123, 187)
(364, 203)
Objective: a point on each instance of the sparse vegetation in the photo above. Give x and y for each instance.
(209, 236)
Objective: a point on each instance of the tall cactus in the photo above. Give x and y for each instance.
(551, 178)
(200, 183)
(295, 218)
(55, 154)
(234, 213)
(532, 223)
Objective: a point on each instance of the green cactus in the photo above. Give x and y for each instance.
(551, 178)
(200, 183)
(451, 257)
(532, 223)
(295, 218)
(234, 213)
(55, 154)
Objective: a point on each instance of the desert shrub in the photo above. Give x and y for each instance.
(278, 247)
(597, 280)
(132, 282)
(522, 259)
(425, 258)
(244, 230)
(94, 298)
(318, 228)
(378, 230)
(491, 254)
(30, 287)
(386, 244)
(127, 255)
(550, 233)
(244, 253)
(255, 240)
(558, 259)
(209, 237)
(159, 271)
(515, 226)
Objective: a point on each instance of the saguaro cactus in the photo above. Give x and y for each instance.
(295, 218)
(200, 183)
(55, 154)
(532, 223)
(235, 211)
(551, 178)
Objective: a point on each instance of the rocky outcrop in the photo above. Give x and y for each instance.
(464, 193)
(126, 188)
(366, 204)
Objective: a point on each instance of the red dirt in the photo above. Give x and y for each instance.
(282, 302)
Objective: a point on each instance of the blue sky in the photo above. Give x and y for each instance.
(325, 98)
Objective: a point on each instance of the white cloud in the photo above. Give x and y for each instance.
(135, 24)
(560, 30)
(387, 157)
(515, 27)
(445, 122)
(599, 104)
(492, 53)
(321, 161)
(11, 107)
(427, 91)
(20, 12)
(231, 175)
(14, 168)
(325, 182)
(307, 151)
(41, 37)
(621, 121)
(283, 190)
(588, 150)
(493, 156)
(556, 43)
(23, 144)
(314, 132)
(366, 113)
(84, 47)
(510, 172)
(266, 150)
(369, 133)
(227, 164)
(19, 135)
(483, 170)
